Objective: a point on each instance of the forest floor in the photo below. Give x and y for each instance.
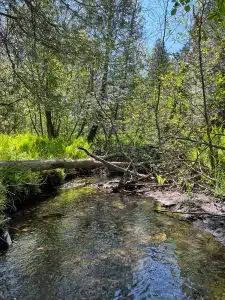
(205, 211)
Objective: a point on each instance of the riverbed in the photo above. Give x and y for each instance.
(85, 243)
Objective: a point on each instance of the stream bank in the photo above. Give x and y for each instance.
(205, 211)
(17, 199)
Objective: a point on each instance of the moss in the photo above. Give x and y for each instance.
(66, 198)
(157, 207)
(52, 179)
(19, 185)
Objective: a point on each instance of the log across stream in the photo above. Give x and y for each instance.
(50, 164)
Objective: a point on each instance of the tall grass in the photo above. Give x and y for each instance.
(19, 184)
(28, 146)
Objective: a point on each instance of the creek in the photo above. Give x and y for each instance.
(88, 244)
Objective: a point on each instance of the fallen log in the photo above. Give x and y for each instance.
(93, 162)
(50, 164)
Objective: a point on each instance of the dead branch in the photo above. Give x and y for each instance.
(191, 213)
(113, 165)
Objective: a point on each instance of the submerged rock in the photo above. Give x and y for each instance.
(5, 239)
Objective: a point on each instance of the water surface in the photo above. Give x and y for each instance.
(84, 244)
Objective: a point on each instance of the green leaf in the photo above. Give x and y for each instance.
(173, 11)
(187, 8)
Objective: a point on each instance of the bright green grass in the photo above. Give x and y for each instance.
(19, 184)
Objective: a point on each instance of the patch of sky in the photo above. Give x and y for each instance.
(177, 27)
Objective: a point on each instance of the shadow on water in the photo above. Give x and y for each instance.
(84, 244)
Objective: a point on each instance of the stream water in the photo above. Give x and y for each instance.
(86, 244)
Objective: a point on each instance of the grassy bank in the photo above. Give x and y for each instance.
(18, 185)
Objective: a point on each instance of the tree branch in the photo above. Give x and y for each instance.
(113, 166)
(202, 143)
(8, 16)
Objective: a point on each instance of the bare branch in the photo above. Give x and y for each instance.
(8, 16)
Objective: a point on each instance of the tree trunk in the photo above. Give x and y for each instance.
(199, 21)
(49, 125)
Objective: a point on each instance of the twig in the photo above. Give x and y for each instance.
(200, 143)
(191, 213)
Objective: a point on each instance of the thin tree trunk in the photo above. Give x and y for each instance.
(206, 113)
(104, 82)
(32, 121)
(40, 118)
(157, 119)
(50, 127)
(159, 88)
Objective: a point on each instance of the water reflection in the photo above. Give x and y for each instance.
(85, 245)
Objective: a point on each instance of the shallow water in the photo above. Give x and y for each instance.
(84, 244)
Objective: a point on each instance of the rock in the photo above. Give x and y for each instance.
(169, 205)
(5, 239)
(218, 231)
(191, 218)
(8, 238)
(206, 221)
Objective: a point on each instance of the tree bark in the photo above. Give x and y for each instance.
(39, 165)
(49, 124)
(199, 22)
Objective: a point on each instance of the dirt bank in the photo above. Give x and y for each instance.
(205, 211)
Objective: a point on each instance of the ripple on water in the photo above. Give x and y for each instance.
(85, 245)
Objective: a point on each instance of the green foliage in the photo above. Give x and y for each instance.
(72, 150)
(219, 187)
(20, 184)
(218, 13)
(178, 3)
(28, 146)
(131, 144)
(93, 72)
(160, 179)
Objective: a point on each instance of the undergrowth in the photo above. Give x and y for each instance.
(18, 185)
